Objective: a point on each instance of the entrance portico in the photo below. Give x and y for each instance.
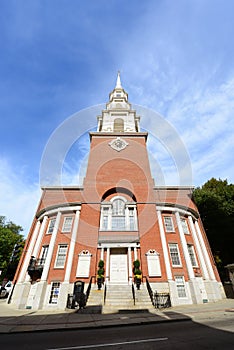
(118, 261)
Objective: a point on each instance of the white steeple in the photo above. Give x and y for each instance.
(118, 115)
(118, 82)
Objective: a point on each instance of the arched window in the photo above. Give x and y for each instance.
(118, 125)
(118, 215)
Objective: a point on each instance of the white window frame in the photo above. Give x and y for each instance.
(54, 292)
(107, 215)
(61, 255)
(192, 255)
(169, 226)
(180, 287)
(174, 254)
(184, 226)
(43, 255)
(51, 226)
(67, 224)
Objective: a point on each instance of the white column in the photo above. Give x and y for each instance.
(198, 249)
(109, 224)
(130, 264)
(164, 246)
(72, 247)
(205, 253)
(38, 242)
(102, 253)
(28, 254)
(107, 264)
(184, 247)
(40, 235)
(51, 248)
(135, 253)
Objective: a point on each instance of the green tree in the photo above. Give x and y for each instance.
(11, 246)
(215, 202)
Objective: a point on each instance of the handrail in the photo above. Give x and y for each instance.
(133, 294)
(150, 291)
(104, 296)
(89, 288)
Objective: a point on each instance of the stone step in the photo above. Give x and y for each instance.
(119, 297)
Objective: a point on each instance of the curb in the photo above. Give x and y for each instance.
(91, 326)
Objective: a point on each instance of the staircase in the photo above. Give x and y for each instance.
(95, 301)
(119, 297)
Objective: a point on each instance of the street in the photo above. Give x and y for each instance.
(169, 335)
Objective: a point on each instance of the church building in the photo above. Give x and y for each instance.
(121, 218)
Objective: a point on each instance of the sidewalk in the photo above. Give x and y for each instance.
(12, 320)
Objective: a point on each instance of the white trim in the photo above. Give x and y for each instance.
(40, 235)
(205, 253)
(198, 248)
(72, 247)
(130, 263)
(51, 249)
(178, 252)
(164, 246)
(184, 246)
(107, 264)
(29, 253)
(56, 266)
(118, 245)
(174, 210)
(193, 253)
(166, 224)
(66, 229)
(52, 212)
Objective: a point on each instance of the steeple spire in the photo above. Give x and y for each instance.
(118, 82)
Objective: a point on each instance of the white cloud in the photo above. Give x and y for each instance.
(18, 199)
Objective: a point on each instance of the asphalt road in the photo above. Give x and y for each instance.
(170, 335)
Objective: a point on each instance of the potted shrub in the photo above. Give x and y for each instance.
(137, 273)
(100, 274)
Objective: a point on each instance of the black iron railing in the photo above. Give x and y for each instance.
(150, 291)
(133, 294)
(162, 300)
(89, 287)
(105, 290)
(35, 267)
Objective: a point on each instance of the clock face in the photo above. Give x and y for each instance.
(118, 144)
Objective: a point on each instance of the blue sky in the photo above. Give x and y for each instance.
(59, 57)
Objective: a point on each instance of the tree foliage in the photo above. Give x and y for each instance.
(215, 202)
(11, 246)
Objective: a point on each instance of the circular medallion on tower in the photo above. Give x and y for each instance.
(118, 144)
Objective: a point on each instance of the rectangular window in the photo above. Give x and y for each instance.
(180, 286)
(67, 224)
(174, 252)
(168, 222)
(105, 215)
(131, 219)
(118, 223)
(44, 252)
(54, 293)
(61, 255)
(51, 225)
(192, 255)
(184, 226)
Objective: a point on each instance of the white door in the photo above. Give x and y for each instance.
(118, 268)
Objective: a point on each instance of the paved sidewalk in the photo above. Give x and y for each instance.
(12, 320)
